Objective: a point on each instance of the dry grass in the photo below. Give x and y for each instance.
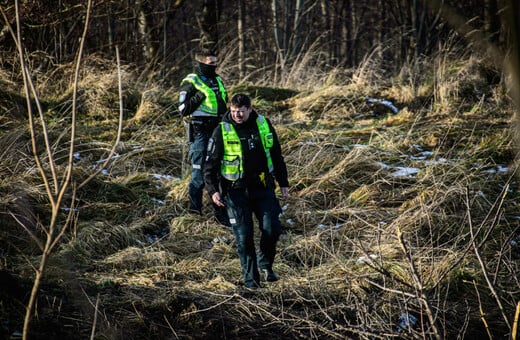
(365, 242)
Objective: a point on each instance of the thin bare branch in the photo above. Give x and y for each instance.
(418, 284)
(482, 264)
(514, 331)
(119, 130)
(28, 231)
(482, 313)
(93, 333)
(32, 128)
(74, 103)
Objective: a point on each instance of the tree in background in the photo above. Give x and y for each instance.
(158, 36)
(161, 34)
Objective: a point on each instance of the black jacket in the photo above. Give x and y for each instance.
(255, 161)
(193, 97)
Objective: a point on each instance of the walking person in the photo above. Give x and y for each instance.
(244, 160)
(202, 101)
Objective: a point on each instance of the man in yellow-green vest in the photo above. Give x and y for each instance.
(244, 159)
(202, 101)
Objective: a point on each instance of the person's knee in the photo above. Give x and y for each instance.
(243, 239)
(197, 180)
(271, 226)
(197, 155)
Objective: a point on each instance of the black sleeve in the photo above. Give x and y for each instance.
(280, 168)
(213, 161)
(189, 99)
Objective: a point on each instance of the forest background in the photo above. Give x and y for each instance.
(96, 238)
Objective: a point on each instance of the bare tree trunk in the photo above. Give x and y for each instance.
(296, 45)
(208, 24)
(284, 22)
(166, 8)
(266, 40)
(419, 26)
(240, 28)
(350, 35)
(276, 35)
(59, 38)
(127, 37)
(110, 27)
(143, 28)
(408, 30)
(513, 23)
(492, 20)
(377, 27)
(327, 27)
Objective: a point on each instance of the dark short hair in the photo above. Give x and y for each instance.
(202, 52)
(240, 100)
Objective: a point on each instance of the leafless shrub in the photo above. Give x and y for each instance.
(369, 250)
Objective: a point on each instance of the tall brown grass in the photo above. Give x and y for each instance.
(368, 251)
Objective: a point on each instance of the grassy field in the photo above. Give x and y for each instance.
(398, 224)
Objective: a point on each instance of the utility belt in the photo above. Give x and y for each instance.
(198, 124)
(205, 124)
(260, 181)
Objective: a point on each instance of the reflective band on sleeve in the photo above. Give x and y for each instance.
(196, 166)
(182, 97)
(209, 106)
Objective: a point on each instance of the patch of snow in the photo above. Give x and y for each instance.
(402, 171)
(365, 259)
(68, 209)
(422, 156)
(157, 201)
(165, 177)
(406, 320)
(499, 169)
(219, 240)
(383, 165)
(502, 169)
(383, 102)
(435, 162)
(106, 159)
(323, 226)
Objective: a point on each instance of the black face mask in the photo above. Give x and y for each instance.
(207, 70)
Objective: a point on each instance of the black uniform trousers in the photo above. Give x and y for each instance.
(241, 205)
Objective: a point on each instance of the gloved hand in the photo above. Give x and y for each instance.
(199, 97)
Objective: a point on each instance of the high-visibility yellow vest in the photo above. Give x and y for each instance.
(232, 167)
(208, 107)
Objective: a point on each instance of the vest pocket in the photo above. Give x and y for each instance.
(268, 140)
(231, 167)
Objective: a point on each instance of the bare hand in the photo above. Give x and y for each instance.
(217, 199)
(285, 192)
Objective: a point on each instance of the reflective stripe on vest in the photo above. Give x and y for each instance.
(209, 106)
(232, 167)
